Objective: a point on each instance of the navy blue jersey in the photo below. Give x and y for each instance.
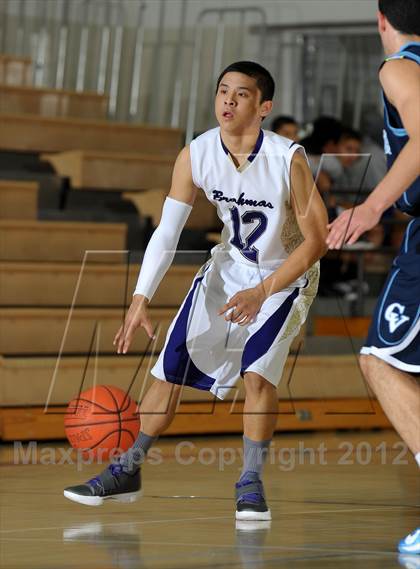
(396, 137)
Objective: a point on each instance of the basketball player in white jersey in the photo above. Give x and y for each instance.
(248, 302)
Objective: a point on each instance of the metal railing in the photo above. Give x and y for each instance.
(62, 37)
(159, 71)
(218, 52)
(330, 69)
(97, 45)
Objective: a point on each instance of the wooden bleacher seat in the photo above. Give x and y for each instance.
(26, 240)
(54, 284)
(18, 200)
(357, 326)
(112, 170)
(52, 102)
(15, 70)
(41, 330)
(46, 134)
(150, 203)
(314, 377)
(313, 399)
(124, 171)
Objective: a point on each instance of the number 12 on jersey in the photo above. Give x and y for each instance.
(246, 247)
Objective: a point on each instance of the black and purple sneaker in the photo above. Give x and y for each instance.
(250, 499)
(114, 483)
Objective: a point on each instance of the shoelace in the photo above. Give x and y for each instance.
(115, 469)
(251, 496)
(96, 481)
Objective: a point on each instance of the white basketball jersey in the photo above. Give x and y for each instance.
(253, 201)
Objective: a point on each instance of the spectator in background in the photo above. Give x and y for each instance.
(334, 155)
(355, 161)
(323, 140)
(349, 146)
(325, 135)
(286, 126)
(370, 168)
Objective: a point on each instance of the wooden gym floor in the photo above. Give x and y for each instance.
(346, 505)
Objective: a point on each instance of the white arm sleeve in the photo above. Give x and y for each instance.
(162, 245)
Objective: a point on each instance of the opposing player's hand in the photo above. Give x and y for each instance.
(350, 225)
(136, 316)
(243, 306)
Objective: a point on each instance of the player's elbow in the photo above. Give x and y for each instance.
(318, 242)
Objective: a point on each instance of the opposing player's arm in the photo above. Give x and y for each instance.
(312, 219)
(160, 250)
(400, 79)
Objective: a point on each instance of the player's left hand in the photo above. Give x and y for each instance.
(244, 306)
(351, 224)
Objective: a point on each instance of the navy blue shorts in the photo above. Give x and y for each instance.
(394, 334)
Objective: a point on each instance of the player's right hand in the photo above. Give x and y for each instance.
(136, 316)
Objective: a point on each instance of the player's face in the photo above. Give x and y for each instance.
(238, 103)
(349, 146)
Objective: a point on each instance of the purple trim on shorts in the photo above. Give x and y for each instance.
(177, 364)
(260, 342)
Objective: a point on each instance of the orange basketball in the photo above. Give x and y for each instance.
(102, 421)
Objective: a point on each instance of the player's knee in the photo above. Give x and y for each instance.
(167, 387)
(370, 366)
(255, 384)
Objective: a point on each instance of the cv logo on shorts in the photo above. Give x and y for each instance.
(395, 316)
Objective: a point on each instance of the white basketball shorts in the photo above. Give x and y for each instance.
(205, 351)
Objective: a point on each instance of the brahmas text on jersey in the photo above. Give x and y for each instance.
(253, 201)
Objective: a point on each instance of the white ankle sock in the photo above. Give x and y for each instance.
(417, 457)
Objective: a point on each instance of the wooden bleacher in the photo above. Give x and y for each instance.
(357, 327)
(18, 200)
(150, 203)
(314, 399)
(40, 264)
(144, 174)
(27, 240)
(15, 70)
(17, 99)
(312, 378)
(31, 133)
(112, 170)
(40, 330)
(54, 284)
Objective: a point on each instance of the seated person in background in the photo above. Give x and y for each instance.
(333, 151)
(358, 172)
(323, 140)
(286, 126)
(366, 172)
(340, 166)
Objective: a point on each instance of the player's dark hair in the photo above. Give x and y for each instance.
(403, 15)
(350, 134)
(265, 82)
(280, 121)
